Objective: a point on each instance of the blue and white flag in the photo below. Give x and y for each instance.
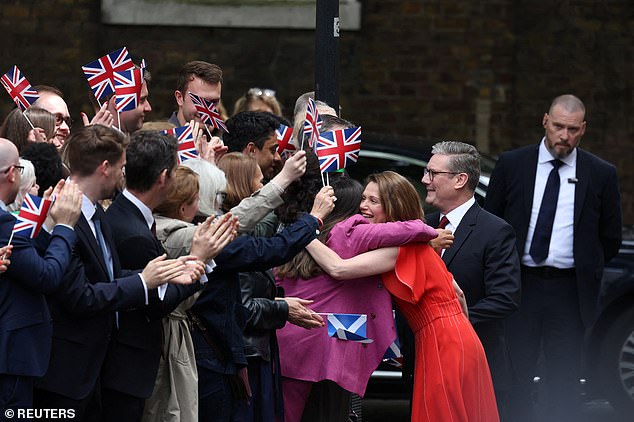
(349, 327)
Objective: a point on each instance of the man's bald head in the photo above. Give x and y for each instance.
(8, 153)
(9, 177)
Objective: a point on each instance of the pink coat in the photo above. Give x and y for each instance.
(311, 355)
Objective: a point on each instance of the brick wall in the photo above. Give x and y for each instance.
(482, 71)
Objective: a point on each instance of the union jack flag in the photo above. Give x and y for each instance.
(19, 88)
(338, 148)
(312, 123)
(284, 146)
(127, 86)
(208, 112)
(100, 73)
(186, 147)
(32, 215)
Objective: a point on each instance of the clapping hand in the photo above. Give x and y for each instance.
(213, 235)
(103, 117)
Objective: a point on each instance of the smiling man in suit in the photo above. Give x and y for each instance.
(564, 204)
(482, 258)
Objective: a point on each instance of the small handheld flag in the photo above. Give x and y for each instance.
(32, 216)
(312, 123)
(349, 327)
(19, 88)
(284, 146)
(208, 112)
(338, 148)
(100, 72)
(127, 86)
(186, 146)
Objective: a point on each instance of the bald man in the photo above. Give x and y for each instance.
(25, 323)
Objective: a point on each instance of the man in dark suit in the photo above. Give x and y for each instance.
(482, 258)
(25, 322)
(133, 356)
(94, 284)
(564, 205)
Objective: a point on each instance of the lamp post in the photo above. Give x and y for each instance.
(327, 52)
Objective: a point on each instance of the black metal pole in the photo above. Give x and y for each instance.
(327, 52)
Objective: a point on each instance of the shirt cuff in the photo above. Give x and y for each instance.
(209, 268)
(144, 288)
(65, 225)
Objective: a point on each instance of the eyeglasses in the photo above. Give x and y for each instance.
(433, 173)
(259, 92)
(14, 166)
(59, 119)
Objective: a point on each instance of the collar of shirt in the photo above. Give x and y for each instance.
(87, 207)
(3, 206)
(147, 212)
(545, 155)
(455, 216)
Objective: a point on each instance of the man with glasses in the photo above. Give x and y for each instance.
(25, 323)
(51, 100)
(482, 258)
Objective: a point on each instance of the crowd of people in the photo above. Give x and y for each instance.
(161, 290)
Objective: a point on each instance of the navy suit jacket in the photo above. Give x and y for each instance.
(220, 304)
(83, 313)
(135, 349)
(597, 213)
(25, 322)
(484, 262)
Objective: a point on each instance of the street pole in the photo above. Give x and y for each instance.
(327, 52)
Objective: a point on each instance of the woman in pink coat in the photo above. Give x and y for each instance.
(311, 358)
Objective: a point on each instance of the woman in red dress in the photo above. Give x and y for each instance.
(452, 381)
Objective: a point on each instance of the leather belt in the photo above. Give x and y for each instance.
(549, 272)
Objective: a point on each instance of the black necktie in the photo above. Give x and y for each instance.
(546, 216)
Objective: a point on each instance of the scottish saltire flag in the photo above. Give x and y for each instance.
(186, 147)
(284, 146)
(393, 355)
(32, 215)
(127, 87)
(350, 327)
(338, 148)
(100, 73)
(19, 88)
(312, 123)
(208, 112)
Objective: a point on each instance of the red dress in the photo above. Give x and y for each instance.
(452, 381)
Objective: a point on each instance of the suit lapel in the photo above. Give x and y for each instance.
(462, 233)
(583, 178)
(529, 171)
(86, 235)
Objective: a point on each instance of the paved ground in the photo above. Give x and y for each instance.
(398, 411)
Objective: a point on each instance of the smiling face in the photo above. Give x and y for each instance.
(56, 105)
(268, 157)
(371, 207)
(564, 130)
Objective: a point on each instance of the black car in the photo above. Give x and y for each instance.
(609, 345)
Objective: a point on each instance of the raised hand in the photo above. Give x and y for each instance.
(5, 253)
(300, 315)
(293, 169)
(324, 203)
(212, 236)
(67, 206)
(103, 117)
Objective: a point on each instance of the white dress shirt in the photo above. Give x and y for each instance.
(560, 253)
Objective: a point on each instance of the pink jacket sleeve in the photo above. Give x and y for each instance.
(356, 235)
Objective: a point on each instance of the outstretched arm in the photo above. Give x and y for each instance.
(364, 265)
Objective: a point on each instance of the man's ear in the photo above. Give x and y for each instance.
(179, 98)
(545, 120)
(462, 180)
(162, 179)
(249, 149)
(104, 167)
